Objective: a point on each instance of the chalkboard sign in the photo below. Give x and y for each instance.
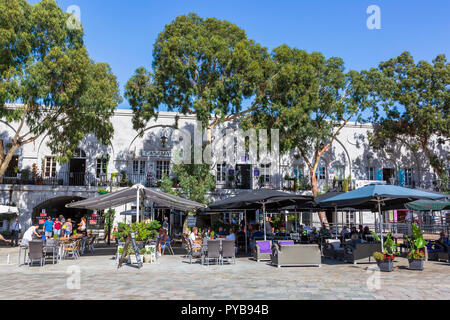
(192, 221)
(130, 240)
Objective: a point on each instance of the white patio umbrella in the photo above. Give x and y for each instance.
(8, 210)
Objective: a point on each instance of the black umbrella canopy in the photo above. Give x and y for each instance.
(254, 199)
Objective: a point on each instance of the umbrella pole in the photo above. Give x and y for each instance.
(137, 204)
(295, 217)
(381, 224)
(335, 222)
(264, 223)
(246, 228)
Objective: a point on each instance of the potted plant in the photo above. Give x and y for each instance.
(385, 259)
(417, 244)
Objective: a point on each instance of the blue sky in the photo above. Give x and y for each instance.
(122, 33)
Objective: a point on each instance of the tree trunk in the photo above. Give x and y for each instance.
(7, 159)
(315, 189)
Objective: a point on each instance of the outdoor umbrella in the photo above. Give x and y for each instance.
(376, 196)
(135, 193)
(255, 199)
(428, 205)
(8, 210)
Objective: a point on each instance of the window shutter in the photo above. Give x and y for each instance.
(379, 174)
(401, 178)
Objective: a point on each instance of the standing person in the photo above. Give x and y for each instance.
(165, 225)
(28, 235)
(15, 231)
(68, 228)
(268, 227)
(48, 227)
(57, 227)
(62, 219)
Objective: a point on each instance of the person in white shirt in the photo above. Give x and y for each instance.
(193, 238)
(231, 236)
(28, 235)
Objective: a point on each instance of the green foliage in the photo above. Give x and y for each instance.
(413, 109)
(378, 256)
(46, 70)
(390, 247)
(8, 217)
(309, 99)
(102, 191)
(345, 185)
(416, 243)
(5, 233)
(200, 66)
(195, 180)
(143, 231)
(375, 236)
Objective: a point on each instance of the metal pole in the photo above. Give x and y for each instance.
(295, 217)
(381, 226)
(335, 222)
(137, 205)
(264, 223)
(246, 229)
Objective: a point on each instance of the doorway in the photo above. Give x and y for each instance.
(243, 176)
(389, 175)
(77, 169)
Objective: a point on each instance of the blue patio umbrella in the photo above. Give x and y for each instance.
(379, 196)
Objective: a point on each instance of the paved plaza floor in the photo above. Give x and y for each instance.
(172, 277)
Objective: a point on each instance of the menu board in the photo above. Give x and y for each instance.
(192, 221)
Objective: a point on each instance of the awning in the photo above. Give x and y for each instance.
(8, 210)
(121, 197)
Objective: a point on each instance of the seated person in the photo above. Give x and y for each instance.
(443, 240)
(196, 243)
(324, 231)
(231, 236)
(221, 233)
(345, 232)
(257, 234)
(354, 240)
(366, 233)
(162, 239)
(354, 231)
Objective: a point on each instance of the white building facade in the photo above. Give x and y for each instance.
(34, 178)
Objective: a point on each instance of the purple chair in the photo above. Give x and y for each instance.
(263, 250)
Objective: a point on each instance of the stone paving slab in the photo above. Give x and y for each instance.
(173, 278)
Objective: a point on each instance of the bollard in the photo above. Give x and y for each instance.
(7, 259)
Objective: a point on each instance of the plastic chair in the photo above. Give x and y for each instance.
(167, 244)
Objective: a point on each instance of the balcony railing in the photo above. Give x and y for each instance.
(85, 179)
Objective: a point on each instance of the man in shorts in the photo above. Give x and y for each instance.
(48, 227)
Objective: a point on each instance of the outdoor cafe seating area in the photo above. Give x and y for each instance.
(52, 250)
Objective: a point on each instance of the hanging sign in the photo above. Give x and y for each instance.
(192, 221)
